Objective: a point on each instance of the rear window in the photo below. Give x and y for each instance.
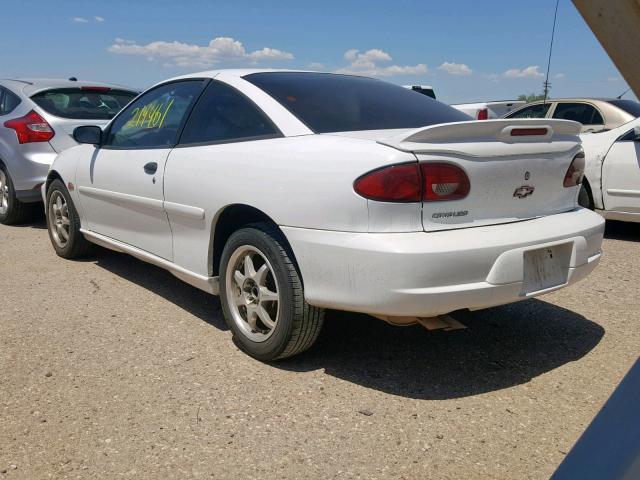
(629, 106)
(342, 103)
(79, 104)
(534, 111)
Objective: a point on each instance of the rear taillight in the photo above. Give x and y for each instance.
(413, 182)
(529, 132)
(444, 181)
(575, 172)
(397, 183)
(31, 128)
(483, 114)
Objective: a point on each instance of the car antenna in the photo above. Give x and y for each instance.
(546, 84)
(622, 94)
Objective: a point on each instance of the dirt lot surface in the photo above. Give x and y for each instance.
(111, 368)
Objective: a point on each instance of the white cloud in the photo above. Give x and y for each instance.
(218, 50)
(366, 63)
(96, 18)
(613, 79)
(532, 71)
(455, 68)
(317, 66)
(559, 76)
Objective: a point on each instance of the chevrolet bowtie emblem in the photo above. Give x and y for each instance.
(523, 191)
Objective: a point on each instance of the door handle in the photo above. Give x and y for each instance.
(151, 168)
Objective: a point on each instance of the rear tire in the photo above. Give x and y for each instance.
(262, 295)
(63, 223)
(12, 210)
(584, 197)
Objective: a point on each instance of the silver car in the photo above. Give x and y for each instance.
(595, 114)
(37, 118)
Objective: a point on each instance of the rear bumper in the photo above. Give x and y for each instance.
(30, 196)
(29, 167)
(427, 274)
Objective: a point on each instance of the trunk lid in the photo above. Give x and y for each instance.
(515, 168)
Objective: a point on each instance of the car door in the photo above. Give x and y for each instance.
(586, 114)
(121, 184)
(621, 175)
(211, 167)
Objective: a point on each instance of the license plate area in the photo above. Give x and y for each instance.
(545, 268)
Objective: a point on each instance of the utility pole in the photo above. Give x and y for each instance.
(546, 85)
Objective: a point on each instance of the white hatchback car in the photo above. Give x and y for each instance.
(290, 192)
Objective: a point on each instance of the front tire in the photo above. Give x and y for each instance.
(262, 296)
(12, 210)
(63, 223)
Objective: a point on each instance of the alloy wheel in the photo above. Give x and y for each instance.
(4, 193)
(252, 293)
(58, 216)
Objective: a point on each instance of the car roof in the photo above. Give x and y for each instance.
(235, 72)
(577, 99)
(426, 87)
(31, 86)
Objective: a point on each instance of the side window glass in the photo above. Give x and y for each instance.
(578, 112)
(8, 101)
(224, 114)
(630, 136)
(11, 101)
(534, 111)
(155, 119)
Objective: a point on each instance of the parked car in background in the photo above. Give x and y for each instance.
(290, 192)
(612, 172)
(423, 89)
(595, 114)
(37, 118)
(488, 110)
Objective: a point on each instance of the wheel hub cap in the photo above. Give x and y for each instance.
(4, 193)
(58, 217)
(252, 293)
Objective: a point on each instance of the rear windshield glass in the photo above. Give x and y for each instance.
(82, 104)
(629, 106)
(342, 103)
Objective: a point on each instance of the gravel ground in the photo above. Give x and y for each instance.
(111, 368)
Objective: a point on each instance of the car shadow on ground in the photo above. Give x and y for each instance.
(501, 347)
(159, 281)
(628, 231)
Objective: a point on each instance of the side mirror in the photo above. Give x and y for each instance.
(88, 134)
(636, 134)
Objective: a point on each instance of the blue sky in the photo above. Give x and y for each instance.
(467, 49)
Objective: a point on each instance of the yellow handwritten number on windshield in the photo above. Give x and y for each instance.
(151, 115)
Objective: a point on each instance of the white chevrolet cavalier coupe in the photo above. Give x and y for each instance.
(291, 192)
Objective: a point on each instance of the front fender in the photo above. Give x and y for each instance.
(65, 167)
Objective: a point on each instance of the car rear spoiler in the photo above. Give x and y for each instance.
(518, 136)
